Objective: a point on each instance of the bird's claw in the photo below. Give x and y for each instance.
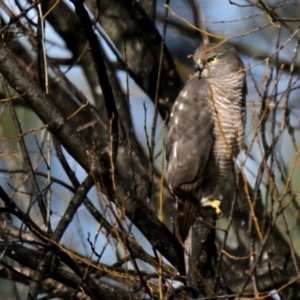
(215, 204)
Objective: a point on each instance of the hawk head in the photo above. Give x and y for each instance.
(215, 60)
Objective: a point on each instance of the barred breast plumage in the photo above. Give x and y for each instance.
(228, 110)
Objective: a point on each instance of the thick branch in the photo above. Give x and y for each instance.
(137, 211)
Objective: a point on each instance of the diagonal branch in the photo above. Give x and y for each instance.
(101, 72)
(136, 210)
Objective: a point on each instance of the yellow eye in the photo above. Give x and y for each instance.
(213, 59)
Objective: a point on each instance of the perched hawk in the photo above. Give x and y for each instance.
(206, 131)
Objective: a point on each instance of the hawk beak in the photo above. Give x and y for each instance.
(199, 67)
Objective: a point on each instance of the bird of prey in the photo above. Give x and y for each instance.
(206, 131)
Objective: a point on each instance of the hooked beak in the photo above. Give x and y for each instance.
(199, 67)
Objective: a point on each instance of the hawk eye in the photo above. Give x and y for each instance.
(213, 59)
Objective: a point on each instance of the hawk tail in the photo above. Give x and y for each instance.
(186, 214)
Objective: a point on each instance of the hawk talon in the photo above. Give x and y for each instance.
(215, 204)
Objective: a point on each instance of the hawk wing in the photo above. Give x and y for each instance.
(190, 139)
(189, 150)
